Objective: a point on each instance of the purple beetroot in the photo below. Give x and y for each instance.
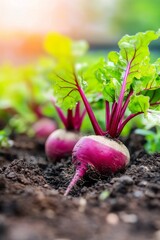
(44, 127)
(104, 154)
(128, 81)
(60, 143)
(129, 85)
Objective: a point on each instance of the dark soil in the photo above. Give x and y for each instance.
(125, 206)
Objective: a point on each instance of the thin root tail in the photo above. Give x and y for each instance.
(80, 172)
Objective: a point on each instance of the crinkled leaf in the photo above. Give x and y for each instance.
(130, 64)
(111, 90)
(92, 85)
(109, 77)
(136, 52)
(154, 95)
(157, 65)
(153, 119)
(151, 80)
(147, 81)
(139, 103)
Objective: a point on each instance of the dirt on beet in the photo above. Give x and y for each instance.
(124, 206)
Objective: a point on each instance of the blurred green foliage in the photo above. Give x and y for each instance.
(22, 89)
(4, 140)
(137, 16)
(152, 137)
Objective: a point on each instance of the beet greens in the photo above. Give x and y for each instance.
(65, 54)
(61, 142)
(127, 80)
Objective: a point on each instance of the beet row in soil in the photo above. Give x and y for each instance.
(124, 206)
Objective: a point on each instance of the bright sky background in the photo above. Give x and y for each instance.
(27, 15)
(39, 15)
(73, 17)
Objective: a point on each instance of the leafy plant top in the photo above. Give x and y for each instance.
(125, 80)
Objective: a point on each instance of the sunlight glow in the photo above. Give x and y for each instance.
(27, 15)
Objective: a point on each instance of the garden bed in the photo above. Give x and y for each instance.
(32, 206)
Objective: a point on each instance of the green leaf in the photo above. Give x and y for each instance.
(4, 140)
(147, 81)
(131, 63)
(111, 90)
(152, 138)
(92, 86)
(64, 89)
(109, 77)
(69, 69)
(153, 119)
(21, 88)
(154, 95)
(113, 57)
(134, 49)
(139, 103)
(126, 77)
(60, 46)
(157, 65)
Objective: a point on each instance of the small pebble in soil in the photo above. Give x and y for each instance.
(84, 189)
(113, 180)
(22, 179)
(12, 175)
(126, 180)
(150, 194)
(49, 213)
(138, 194)
(118, 204)
(128, 218)
(82, 204)
(122, 185)
(157, 235)
(53, 192)
(142, 168)
(112, 219)
(29, 190)
(40, 195)
(143, 183)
